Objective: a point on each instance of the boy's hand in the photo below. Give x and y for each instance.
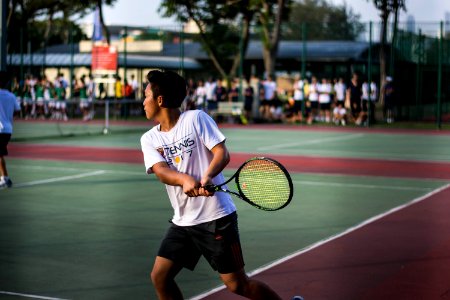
(191, 187)
(205, 181)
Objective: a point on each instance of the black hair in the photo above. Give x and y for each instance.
(169, 85)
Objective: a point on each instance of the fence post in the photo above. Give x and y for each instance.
(304, 66)
(369, 76)
(439, 81)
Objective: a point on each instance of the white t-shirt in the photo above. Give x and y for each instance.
(298, 90)
(339, 89)
(186, 149)
(8, 104)
(325, 90)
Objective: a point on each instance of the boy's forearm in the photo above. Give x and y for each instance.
(168, 176)
(221, 158)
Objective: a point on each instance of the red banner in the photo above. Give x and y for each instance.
(104, 57)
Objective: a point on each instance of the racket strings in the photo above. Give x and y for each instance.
(264, 183)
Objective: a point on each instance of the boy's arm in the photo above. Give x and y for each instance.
(221, 158)
(171, 177)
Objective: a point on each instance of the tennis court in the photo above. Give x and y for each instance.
(84, 221)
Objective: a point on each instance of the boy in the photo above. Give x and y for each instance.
(8, 105)
(186, 151)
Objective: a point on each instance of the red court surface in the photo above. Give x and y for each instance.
(404, 255)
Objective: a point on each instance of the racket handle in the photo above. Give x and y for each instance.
(210, 187)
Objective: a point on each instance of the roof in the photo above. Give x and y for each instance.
(315, 50)
(84, 60)
(169, 57)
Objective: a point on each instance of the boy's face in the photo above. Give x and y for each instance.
(151, 106)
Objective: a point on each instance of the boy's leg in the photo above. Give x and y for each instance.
(163, 278)
(239, 283)
(3, 170)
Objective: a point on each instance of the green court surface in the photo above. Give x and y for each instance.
(79, 230)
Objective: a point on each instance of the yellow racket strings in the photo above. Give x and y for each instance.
(264, 183)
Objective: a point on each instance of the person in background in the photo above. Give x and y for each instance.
(8, 106)
(249, 94)
(353, 95)
(389, 100)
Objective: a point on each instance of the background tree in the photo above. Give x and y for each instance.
(270, 18)
(218, 24)
(46, 22)
(385, 7)
(324, 21)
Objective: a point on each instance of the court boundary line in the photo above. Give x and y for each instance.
(58, 179)
(329, 239)
(312, 142)
(305, 182)
(30, 296)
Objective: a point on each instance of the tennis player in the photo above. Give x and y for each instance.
(187, 151)
(8, 105)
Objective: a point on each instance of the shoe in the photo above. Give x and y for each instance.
(6, 183)
(297, 298)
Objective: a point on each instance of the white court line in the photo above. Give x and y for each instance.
(311, 142)
(78, 169)
(366, 186)
(57, 179)
(327, 240)
(30, 296)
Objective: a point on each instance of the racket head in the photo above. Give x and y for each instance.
(264, 183)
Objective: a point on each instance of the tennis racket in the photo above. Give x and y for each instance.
(261, 182)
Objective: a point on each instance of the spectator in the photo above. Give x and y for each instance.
(210, 86)
(134, 87)
(354, 97)
(200, 95)
(233, 94)
(84, 100)
(270, 89)
(298, 97)
(118, 90)
(313, 100)
(389, 100)
(220, 91)
(249, 94)
(325, 89)
(8, 105)
(339, 111)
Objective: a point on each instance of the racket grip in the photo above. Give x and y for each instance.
(210, 187)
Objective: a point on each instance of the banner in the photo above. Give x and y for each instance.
(104, 58)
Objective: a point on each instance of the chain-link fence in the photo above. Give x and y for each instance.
(416, 56)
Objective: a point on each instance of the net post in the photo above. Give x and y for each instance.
(106, 128)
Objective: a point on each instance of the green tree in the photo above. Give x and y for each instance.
(31, 16)
(270, 18)
(324, 21)
(219, 27)
(386, 7)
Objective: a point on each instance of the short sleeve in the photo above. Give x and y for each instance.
(208, 131)
(151, 155)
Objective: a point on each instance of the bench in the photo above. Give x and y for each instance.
(232, 110)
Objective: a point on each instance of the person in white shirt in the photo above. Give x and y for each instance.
(339, 111)
(186, 151)
(325, 89)
(8, 105)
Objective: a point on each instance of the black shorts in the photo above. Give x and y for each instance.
(4, 140)
(218, 241)
(325, 106)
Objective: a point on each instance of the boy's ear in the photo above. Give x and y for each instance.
(160, 101)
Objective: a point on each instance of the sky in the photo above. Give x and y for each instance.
(145, 12)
